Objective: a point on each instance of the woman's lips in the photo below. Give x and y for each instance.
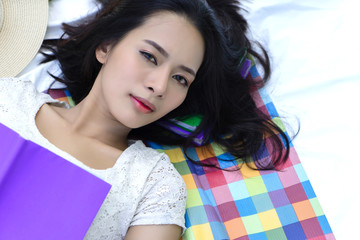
(142, 104)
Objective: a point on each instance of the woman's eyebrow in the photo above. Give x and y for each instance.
(158, 47)
(189, 70)
(166, 55)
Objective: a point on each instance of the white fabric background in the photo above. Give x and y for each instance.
(314, 46)
(316, 77)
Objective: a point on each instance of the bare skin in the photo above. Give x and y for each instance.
(156, 62)
(90, 151)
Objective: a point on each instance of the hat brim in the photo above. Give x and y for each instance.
(22, 31)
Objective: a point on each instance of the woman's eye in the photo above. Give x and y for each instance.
(181, 80)
(149, 57)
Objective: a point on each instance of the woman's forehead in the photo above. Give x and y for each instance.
(165, 20)
(173, 33)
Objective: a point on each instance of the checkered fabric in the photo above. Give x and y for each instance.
(246, 204)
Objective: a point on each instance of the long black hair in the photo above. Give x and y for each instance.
(219, 93)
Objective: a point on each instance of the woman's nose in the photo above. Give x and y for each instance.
(158, 83)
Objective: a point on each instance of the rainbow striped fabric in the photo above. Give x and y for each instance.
(246, 204)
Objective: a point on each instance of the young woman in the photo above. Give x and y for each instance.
(135, 63)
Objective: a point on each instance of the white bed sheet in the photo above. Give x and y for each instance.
(315, 51)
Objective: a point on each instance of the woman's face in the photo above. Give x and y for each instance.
(148, 73)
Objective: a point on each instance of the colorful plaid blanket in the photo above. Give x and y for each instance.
(246, 204)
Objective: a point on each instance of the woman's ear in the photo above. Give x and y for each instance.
(102, 52)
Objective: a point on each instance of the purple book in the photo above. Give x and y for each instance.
(42, 195)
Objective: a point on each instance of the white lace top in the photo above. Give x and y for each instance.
(146, 188)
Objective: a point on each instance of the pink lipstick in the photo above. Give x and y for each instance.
(142, 104)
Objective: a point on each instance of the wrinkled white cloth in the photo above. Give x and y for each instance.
(146, 188)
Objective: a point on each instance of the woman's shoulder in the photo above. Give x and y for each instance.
(164, 194)
(161, 167)
(19, 102)
(165, 174)
(16, 97)
(21, 91)
(17, 91)
(15, 85)
(145, 153)
(148, 153)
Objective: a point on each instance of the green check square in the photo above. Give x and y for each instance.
(160, 150)
(255, 185)
(193, 198)
(316, 206)
(217, 149)
(189, 234)
(279, 123)
(252, 224)
(276, 234)
(182, 168)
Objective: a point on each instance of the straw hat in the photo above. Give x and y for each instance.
(22, 29)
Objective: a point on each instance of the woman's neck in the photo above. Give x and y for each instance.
(92, 120)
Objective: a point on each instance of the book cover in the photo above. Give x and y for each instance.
(42, 195)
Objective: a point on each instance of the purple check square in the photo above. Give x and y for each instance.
(279, 198)
(212, 213)
(201, 181)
